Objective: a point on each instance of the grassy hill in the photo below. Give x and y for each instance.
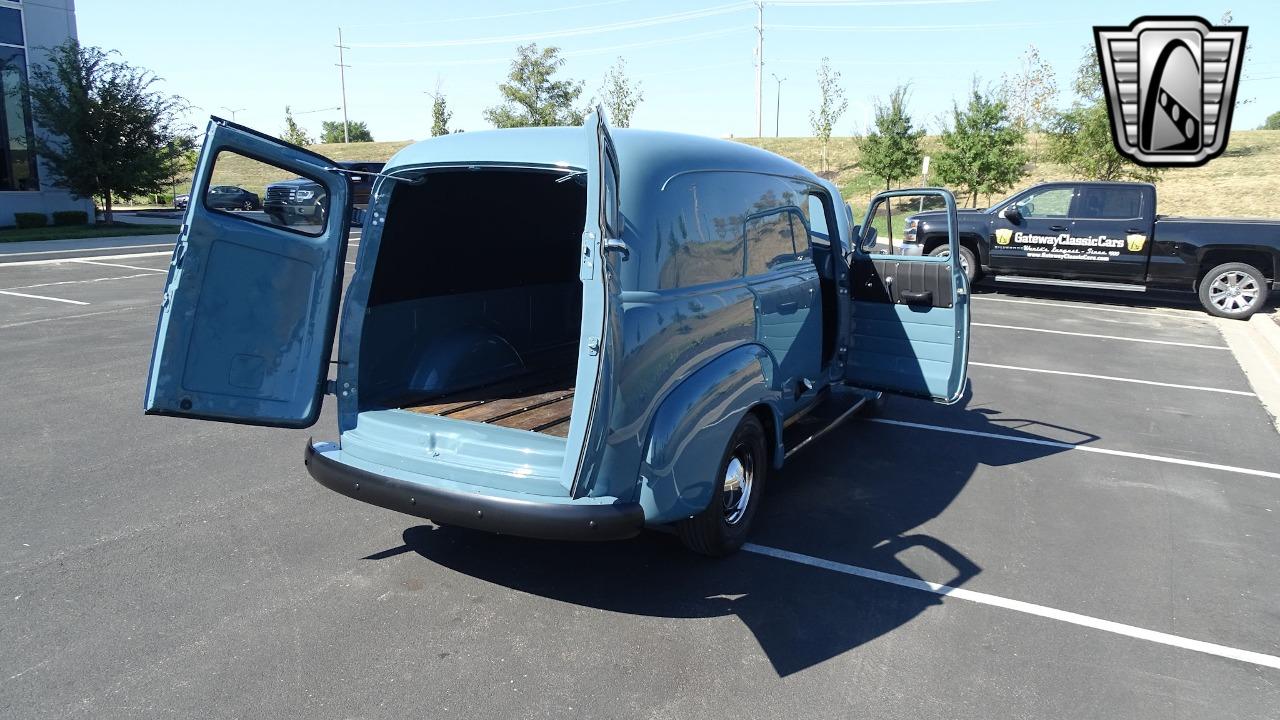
(1241, 183)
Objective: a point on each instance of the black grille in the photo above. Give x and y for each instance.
(279, 193)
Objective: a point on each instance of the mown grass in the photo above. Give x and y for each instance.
(1241, 183)
(71, 232)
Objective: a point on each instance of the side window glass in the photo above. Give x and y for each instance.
(271, 195)
(802, 237)
(611, 219)
(769, 241)
(1051, 203)
(818, 218)
(1109, 203)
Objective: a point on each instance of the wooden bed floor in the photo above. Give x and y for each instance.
(541, 404)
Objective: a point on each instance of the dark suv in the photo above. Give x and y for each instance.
(304, 201)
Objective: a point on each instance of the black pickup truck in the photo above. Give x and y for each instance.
(1107, 236)
(304, 201)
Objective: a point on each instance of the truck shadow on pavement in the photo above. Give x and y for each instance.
(859, 499)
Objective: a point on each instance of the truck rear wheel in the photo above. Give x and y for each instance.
(968, 262)
(1233, 290)
(722, 527)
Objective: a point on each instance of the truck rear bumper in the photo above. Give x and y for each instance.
(526, 518)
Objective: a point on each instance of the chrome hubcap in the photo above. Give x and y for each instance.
(1234, 291)
(739, 477)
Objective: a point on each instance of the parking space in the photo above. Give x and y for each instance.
(1090, 533)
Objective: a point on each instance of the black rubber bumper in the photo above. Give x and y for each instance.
(549, 521)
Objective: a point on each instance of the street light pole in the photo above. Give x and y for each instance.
(777, 111)
(233, 112)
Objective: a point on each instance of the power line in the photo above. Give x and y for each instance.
(571, 32)
(910, 28)
(572, 53)
(495, 16)
(871, 3)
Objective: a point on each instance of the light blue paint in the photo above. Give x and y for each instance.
(664, 374)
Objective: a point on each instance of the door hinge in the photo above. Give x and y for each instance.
(618, 246)
(330, 387)
(593, 346)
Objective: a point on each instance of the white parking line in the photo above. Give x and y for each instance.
(1043, 611)
(127, 267)
(1109, 377)
(92, 249)
(55, 261)
(1104, 337)
(40, 321)
(1081, 448)
(1171, 314)
(79, 282)
(42, 297)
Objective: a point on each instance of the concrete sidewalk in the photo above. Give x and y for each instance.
(1256, 345)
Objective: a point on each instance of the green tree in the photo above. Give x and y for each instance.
(532, 96)
(1030, 92)
(440, 114)
(293, 133)
(984, 148)
(1272, 123)
(621, 94)
(891, 150)
(109, 134)
(357, 131)
(1080, 136)
(832, 105)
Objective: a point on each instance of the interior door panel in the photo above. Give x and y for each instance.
(903, 282)
(907, 324)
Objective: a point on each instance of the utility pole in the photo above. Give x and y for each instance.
(342, 78)
(777, 111)
(759, 64)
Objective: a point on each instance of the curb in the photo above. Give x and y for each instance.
(1256, 346)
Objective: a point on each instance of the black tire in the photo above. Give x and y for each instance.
(1233, 290)
(967, 261)
(722, 527)
(246, 205)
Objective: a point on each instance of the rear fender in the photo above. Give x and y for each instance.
(692, 426)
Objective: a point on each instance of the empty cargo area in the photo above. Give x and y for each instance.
(475, 305)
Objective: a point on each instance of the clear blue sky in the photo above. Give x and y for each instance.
(696, 67)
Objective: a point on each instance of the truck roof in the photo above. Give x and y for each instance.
(641, 153)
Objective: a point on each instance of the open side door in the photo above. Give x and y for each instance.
(908, 319)
(248, 315)
(602, 248)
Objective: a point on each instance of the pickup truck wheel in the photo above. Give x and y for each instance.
(968, 262)
(1233, 290)
(722, 527)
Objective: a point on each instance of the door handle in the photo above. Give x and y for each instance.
(1136, 231)
(911, 297)
(787, 308)
(1057, 228)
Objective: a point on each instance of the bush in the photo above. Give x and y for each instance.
(71, 217)
(30, 220)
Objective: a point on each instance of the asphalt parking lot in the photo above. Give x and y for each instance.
(1066, 543)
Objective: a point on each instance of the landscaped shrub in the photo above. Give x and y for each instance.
(71, 217)
(30, 220)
